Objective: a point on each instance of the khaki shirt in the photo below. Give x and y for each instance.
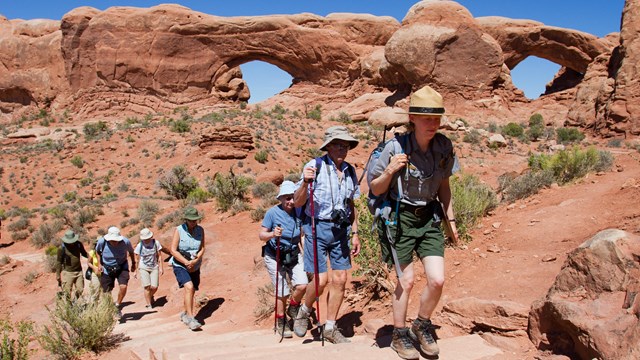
(421, 179)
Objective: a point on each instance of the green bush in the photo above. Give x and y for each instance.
(77, 161)
(261, 156)
(316, 113)
(198, 195)
(568, 165)
(80, 326)
(51, 258)
(471, 201)
(14, 339)
(258, 214)
(95, 130)
(536, 120)
(21, 224)
(472, 137)
(178, 182)
(173, 219)
(524, 185)
(4, 260)
(230, 191)
(569, 135)
(512, 129)
(263, 190)
(180, 126)
(46, 233)
(147, 211)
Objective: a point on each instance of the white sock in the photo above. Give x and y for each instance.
(330, 324)
(305, 309)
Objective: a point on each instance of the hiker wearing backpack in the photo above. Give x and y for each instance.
(149, 263)
(112, 250)
(69, 269)
(327, 189)
(415, 181)
(282, 257)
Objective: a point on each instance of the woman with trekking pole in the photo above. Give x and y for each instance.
(416, 180)
(280, 232)
(328, 187)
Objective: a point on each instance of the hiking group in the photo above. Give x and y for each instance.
(410, 196)
(108, 263)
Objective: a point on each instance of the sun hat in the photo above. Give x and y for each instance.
(338, 133)
(191, 213)
(145, 234)
(70, 237)
(426, 101)
(113, 234)
(286, 188)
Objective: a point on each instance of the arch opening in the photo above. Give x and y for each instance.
(533, 74)
(264, 80)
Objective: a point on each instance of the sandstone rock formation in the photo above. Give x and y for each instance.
(140, 61)
(582, 315)
(227, 142)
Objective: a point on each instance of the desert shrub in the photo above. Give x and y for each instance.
(295, 177)
(70, 196)
(568, 165)
(264, 307)
(344, 118)
(14, 339)
(471, 201)
(198, 195)
(46, 233)
(278, 109)
(21, 224)
(4, 260)
(370, 266)
(178, 182)
(513, 130)
(263, 190)
(568, 135)
(77, 161)
(261, 156)
(51, 258)
(30, 277)
(314, 152)
(19, 235)
(614, 143)
(80, 326)
(472, 137)
(147, 211)
(258, 214)
(95, 130)
(524, 185)
(230, 191)
(316, 113)
(173, 219)
(180, 126)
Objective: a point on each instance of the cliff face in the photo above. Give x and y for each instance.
(148, 60)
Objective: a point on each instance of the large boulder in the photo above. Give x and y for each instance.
(582, 315)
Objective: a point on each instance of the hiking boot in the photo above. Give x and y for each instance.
(301, 323)
(334, 336)
(292, 311)
(283, 328)
(184, 318)
(402, 344)
(422, 331)
(194, 324)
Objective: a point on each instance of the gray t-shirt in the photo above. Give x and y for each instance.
(148, 254)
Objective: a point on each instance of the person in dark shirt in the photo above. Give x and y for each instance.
(69, 269)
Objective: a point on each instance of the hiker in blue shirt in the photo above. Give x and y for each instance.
(112, 250)
(334, 188)
(281, 225)
(187, 250)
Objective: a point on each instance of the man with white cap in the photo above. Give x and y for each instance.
(112, 250)
(420, 203)
(335, 186)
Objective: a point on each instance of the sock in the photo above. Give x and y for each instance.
(330, 324)
(305, 309)
(280, 316)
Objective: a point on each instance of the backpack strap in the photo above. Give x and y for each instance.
(64, 254)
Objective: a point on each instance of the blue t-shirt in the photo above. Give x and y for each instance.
(290, 224)
(115, 254)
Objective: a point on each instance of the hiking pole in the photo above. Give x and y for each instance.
(316, 275)
(275, 307)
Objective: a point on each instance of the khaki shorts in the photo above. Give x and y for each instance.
(149, 277)
(413, 233)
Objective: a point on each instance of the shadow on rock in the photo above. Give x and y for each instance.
(208, 309)
(348, 322)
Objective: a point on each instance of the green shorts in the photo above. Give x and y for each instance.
(414, 233)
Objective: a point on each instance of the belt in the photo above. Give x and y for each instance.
(418, 211)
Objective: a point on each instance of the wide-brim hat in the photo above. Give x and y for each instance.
(338, 133)
(145, 234)
(70, 237)
(113, 234)
(426, 101)
(192, 214)
(286, 188)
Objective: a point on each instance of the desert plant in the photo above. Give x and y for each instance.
(568, 165)
(30, 277)
(472, 137)
(19, 235)
(21, 224)
(569, 135)
(258, 214)
(95, 130)
(530, 183)
(180, 126)
(263, 190)
(316, 113)
(77, 161)
(513, 130)
(51, 258)
(261, 156)
(147, 211)
(471, 201)
(46, 233)
(174, 218)
(198, 195)
(229, 190)
(178, 182)
(14, 339)
(4, 260)
(79, 326)
(264, 307)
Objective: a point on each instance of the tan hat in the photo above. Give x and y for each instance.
(70, 237)
(338, 133)
(145, 234)
(426, 101)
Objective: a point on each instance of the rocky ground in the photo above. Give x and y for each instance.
(514, 255)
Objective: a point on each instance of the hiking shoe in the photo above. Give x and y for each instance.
(119, 314)
(292, 311)
(301, 323)
(422, 331)
(148, 306)
(334, 336)
(402, 344)
(184, 318)
(194, 324)
(283, 328)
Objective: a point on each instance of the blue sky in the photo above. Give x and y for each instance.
(598, 17)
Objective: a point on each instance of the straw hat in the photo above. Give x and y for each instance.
(70, 237)
(145, 234)
(426, 101)
(338, 133)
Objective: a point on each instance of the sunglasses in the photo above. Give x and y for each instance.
(340, 146)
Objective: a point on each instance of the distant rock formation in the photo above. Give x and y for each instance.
(137, 60)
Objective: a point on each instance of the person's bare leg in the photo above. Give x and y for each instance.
(434, 270)
(189, 293)
(122, 291)
(401, 294)
(336, 293)
(147, 294)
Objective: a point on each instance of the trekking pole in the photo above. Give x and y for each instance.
(275, 307)
(316, 275)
